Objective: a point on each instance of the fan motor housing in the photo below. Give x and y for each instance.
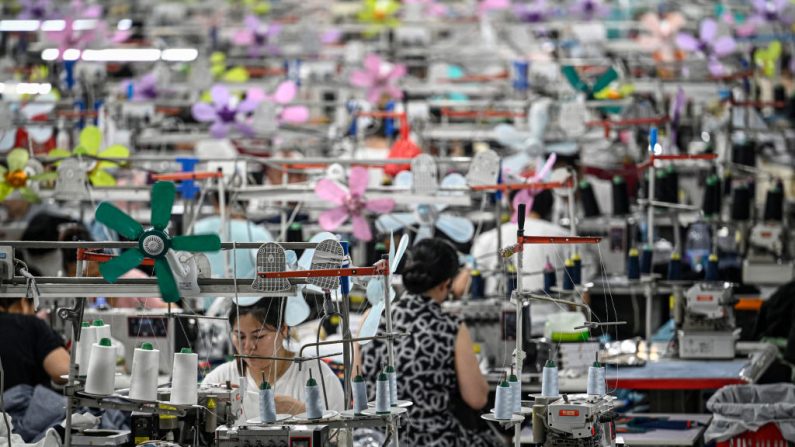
(154, 243)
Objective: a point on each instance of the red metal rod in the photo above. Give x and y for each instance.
(774, 104)
(558, 240)
(685, 157)
(86, 255)
(489, 113)
(189, 175)
(519, 186)
(380, 114)
(354, 271)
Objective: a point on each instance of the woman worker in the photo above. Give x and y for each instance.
(436, 366)
(258, 329)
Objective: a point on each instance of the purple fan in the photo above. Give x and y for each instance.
(226, 112)
(144, 89)
(709, 44)
(767, 12)
(526, 196)
(259, 37)
(379, 77)
(589, 9)
(534, 12)
(35, 10)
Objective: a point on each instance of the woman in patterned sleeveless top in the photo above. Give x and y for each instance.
(436, 366)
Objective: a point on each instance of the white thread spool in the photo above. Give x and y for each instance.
(602, 384)
(549, 380)
(516, 393)
(314, 404)
(103, 330)
(359, 395)
(145, 365)
(593, 381)
(88, 336)
(382, 394)
(184, 378)
(101, 377)
(267, 403)
(391, 376)
(503, 401)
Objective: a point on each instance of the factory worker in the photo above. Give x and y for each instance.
(257, 328)
(535, 256)
(31, 352)
(436, 366)
(537, 223)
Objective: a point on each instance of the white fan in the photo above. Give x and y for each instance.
(428, 216)
(375, 290)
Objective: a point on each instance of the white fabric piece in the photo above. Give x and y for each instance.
(50, 439)
(292, 384)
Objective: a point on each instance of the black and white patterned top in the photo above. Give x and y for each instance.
(425, 366)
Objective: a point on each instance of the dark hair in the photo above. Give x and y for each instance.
(44, 226)
(6, 303)
(268, 310)
(543, 203)
(429, 263)
(73, 233)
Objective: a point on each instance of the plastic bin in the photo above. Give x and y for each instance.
(752, 416)
(768, 435)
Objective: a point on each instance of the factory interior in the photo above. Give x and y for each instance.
(416, 223)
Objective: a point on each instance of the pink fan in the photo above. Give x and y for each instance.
(526, 195)
(351, 203)
(227, 112)
(68, 37)
(709, 44)
(493, 5)
(259, 37)
(282, 96)
(662, 31)
(379, 77)
(431, 8)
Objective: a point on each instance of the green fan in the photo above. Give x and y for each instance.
(153, 242)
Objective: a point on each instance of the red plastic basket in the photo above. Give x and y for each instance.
(768, 435)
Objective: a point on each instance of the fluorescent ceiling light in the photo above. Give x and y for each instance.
(180, 54)
(19, 25)
(25, 88)
(122, 55)
(71, 54)
(53, 25)
(50, 54)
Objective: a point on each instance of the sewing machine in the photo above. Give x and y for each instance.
(574, 420)
(131, 327)
(707, 327)
(766, 261)
(276, 436)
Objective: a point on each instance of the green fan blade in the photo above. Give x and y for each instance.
(609, 76)
(118, 220)
(162, 201)
(165, 280)
(574, 79)
(113, 269)
(199, 242)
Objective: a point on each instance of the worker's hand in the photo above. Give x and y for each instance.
(286, 404)
(460, 283)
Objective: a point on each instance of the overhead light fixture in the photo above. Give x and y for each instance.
(47, 25)
(180, 54)
(25, 88)
(123, 55)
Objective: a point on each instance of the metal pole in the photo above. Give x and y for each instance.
(390, 348)
(518, 354)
